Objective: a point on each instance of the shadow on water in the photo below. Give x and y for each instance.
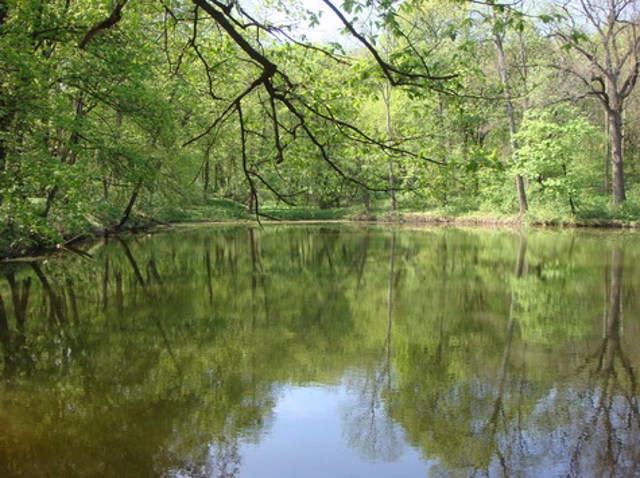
(486, 353)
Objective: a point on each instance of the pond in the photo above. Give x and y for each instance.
(324, 350)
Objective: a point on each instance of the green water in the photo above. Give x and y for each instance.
(324, 351)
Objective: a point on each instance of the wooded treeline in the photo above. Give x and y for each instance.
(115, 113)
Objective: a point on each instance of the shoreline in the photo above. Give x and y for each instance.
(40, 252)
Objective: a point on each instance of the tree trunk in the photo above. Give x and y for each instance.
(607, 153)
(506, 87)
(617, 173)
(207, 175)
(251, 202)
(5, 122)
(7, 118)
(132, 202)
(4, 10)
(386, 95)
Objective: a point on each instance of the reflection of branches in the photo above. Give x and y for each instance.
(357, 265)
(219, 460)
(498, 404)
(362, 256)
(257, 274)
(224, 460)
(609, 403)
(390, 282)
(156, 319)
(132, 261)
(373, 430)
(56, 312)
(367, 425)
(20, 296)
(5, 339)
(207, 263)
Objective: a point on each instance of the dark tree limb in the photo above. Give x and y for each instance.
(109, 22)
(253, 192)
(130, 204)
(221, 18)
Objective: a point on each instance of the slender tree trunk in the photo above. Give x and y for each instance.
(607, 153)
(386, 94)
(6, 118)
(207, 175)
(206, 171)
(5, 122)
(218, 180)
(506, 87)
(617, 173)
(251, 202)
(132, 202)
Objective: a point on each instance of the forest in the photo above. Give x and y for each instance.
(118, 114)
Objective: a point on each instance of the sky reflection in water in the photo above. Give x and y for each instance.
(324, 351)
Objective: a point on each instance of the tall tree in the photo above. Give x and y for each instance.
(499, 27)
(600, 47)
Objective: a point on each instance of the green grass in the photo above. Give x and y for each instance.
(304, 213)
(209, 210)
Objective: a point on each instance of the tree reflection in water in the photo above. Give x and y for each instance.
(367, 425)
(167, 355)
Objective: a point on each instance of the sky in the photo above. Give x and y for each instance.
(328, 29)
(330, 24)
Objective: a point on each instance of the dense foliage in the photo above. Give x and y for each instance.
(115, 113)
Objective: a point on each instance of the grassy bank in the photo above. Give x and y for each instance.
(221, 210)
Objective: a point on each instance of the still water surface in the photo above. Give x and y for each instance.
(324, 351)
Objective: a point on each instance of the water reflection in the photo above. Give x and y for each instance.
(448, 351)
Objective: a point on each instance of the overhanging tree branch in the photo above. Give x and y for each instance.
(395, 76)
(109, 22)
